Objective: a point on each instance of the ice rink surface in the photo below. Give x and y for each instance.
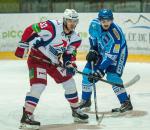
(53, 110)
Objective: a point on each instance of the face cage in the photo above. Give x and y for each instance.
(76, 21)
(100, 19)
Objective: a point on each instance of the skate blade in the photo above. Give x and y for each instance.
(117, 114)
(77, 120)
(29, 127)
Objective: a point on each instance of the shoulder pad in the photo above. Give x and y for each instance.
(94, 24)
(56, 22)
(95, 29)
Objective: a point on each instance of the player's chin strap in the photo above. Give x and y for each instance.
(126, 85)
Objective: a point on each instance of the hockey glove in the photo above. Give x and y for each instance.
(22, 49)
(70, 69)
(98, 74)
(92, 56)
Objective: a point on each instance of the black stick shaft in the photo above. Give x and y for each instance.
(103, 80)
(95, 95)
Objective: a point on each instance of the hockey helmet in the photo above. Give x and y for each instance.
(70, 14)
(105, 14)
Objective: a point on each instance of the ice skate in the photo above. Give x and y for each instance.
(85, 105)
(27, 121)
(79, 116)
(126, 106)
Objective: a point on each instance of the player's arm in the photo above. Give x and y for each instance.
(69, 57)
(35, 34)
(70, 54)
(94, 32)
(108, 59)
(47, 32)
(23, 45)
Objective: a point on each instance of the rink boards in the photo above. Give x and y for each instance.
(135, 27)
(81, 56)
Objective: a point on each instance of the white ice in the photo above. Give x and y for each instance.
(53, 110)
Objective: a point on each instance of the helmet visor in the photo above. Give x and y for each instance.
(75, 21)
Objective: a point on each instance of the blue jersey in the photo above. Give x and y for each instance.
(111, 44)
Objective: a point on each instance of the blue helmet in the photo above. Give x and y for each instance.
(105, 14)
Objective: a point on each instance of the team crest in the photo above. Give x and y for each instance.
(116, 48)
(116, 33)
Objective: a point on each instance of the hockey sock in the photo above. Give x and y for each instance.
(86, 85)
(30, 104)
(86, 92)
(121, 93)
(32, 97)
(71, 93)
(73, 100)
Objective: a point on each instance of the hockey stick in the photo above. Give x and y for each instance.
(126, 85)
(132, 81)
(98, 119)
(45, 60)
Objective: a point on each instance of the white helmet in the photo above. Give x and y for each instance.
(70, 14)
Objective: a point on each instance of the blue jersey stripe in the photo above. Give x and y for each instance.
(33, 99)
(71, 95)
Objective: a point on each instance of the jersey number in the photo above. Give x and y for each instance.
(43, 25)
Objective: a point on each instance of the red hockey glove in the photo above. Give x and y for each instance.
(22, 50)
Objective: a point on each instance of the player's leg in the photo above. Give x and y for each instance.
(71, 95)
(121, 93)
(86, 89)
(114, 74)
(38, 82)
(31, 101)
(59, 75)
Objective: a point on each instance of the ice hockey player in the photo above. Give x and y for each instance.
(52, 44)
(108, 51)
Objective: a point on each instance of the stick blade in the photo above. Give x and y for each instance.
(132, 81)
(99, 119)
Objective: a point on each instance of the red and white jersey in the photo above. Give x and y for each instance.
(51, 31)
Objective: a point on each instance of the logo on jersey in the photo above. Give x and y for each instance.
(106, 39)
(31, 73)
(41, 73)
(116, 48)
(116, 33)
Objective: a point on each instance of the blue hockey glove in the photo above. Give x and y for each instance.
(98, 74)
(92, 56)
